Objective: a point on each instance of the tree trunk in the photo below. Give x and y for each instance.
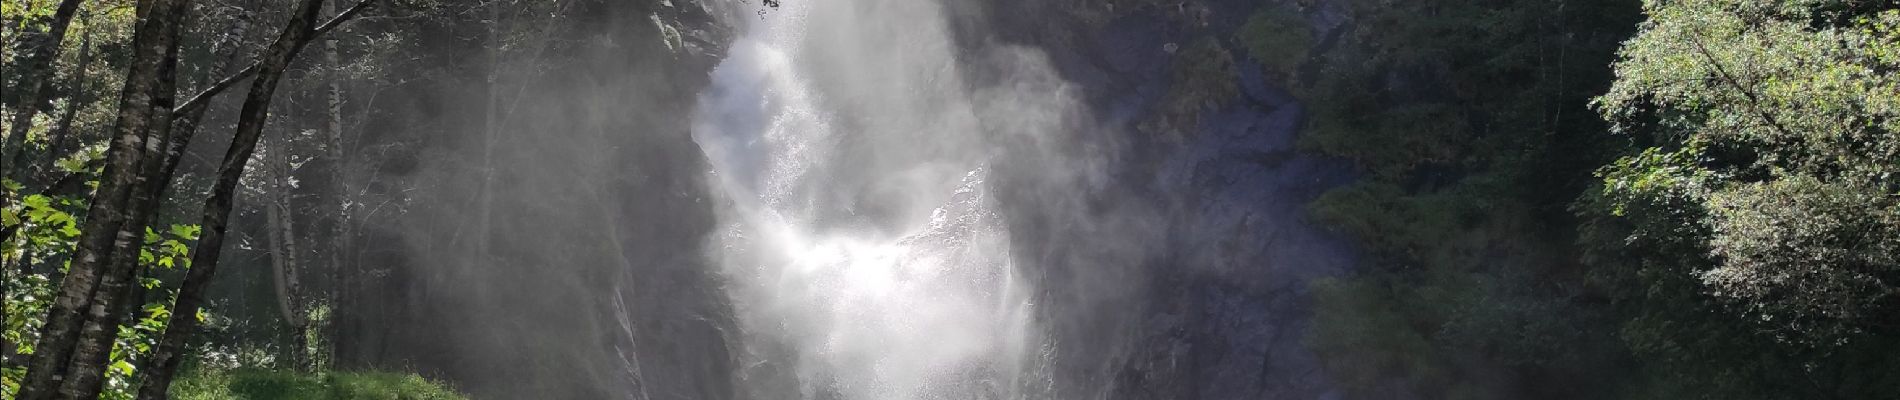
(34, 82)
(62, 131)
(61, 137)
(187, 116)
(478, 246)
(283, 244)
(163, 363)
(120, 285)
(339, 278)
(157, 35)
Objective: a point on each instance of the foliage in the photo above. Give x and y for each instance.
(1751, 241)
(1787, 115)
(1805, 251)
(1488, 334)
(1746, 247)
(202, 384)
(64, 146)
(47, 232)
(45, 217)
(1470, 120)
(108, 27)
(1443, 88)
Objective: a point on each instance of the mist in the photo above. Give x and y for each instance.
(862, 200)
(949, 199)
(724, 199)
(866, 254)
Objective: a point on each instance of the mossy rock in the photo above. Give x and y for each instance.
(1205, 77)
(1278, 38)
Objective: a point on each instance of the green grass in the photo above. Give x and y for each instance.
(258, 384)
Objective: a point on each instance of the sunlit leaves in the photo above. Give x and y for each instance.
(26, 298)
(168, 250)
(1779, 118)
(46, 233)
(44, 225)
(1806, 254)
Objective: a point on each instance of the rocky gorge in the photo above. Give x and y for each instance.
(1194, 287)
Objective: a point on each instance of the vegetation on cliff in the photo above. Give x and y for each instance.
(1562, 202)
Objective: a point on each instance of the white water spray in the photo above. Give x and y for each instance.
(864, 253)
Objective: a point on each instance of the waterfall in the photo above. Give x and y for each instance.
(863, 253)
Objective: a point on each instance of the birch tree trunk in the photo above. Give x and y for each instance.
(187, 116)
(119, 290)
(161, 164)
(61, 130)
(478, 249)
(339, 276)
(163, 363)
(153, 47)
(283, 243)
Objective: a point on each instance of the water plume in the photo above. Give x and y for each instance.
(866, 256)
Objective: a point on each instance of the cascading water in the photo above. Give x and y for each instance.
(865, 258)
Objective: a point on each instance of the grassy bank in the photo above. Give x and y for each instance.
(257, 384)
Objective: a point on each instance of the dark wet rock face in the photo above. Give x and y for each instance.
(1179, 273)
(1223, 306)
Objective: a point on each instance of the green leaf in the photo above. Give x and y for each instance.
(185, 232)
(123, 367)
(71, 164)
(37, 202)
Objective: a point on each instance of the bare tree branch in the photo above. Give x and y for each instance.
(204, 97)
